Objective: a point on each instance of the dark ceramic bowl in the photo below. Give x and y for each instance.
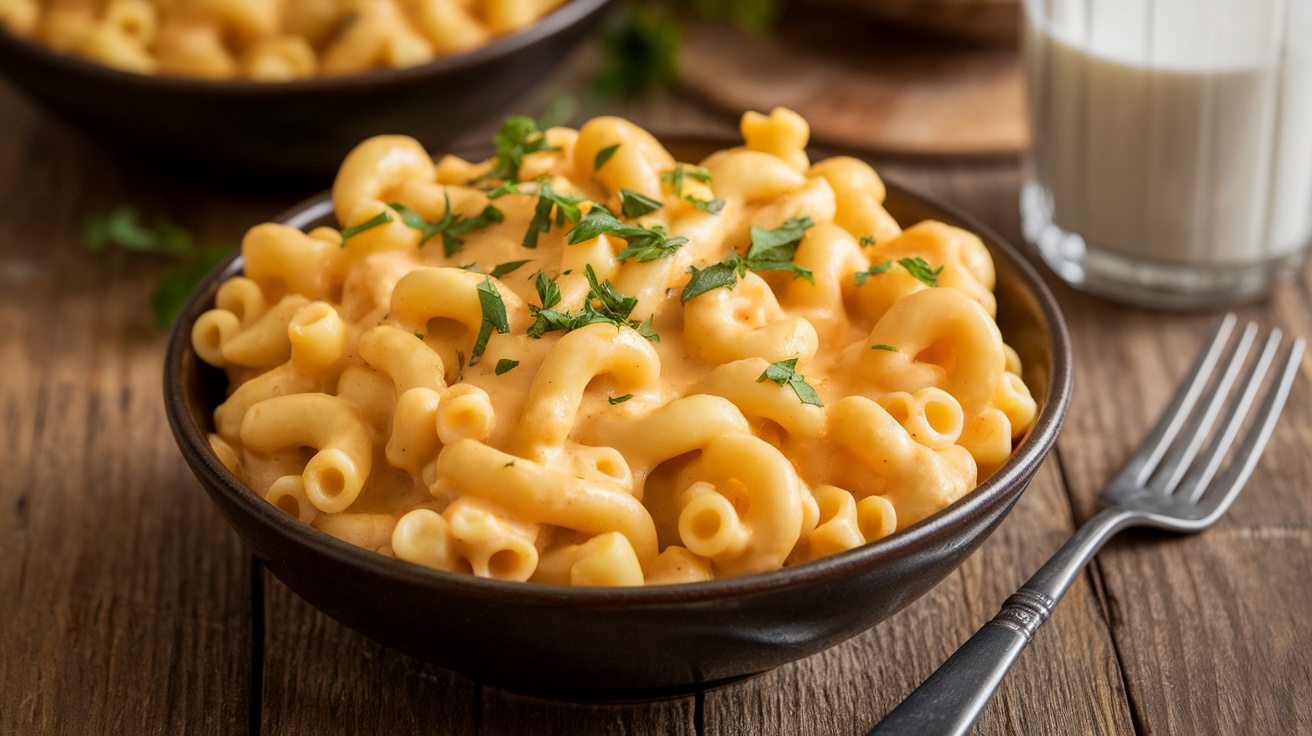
(293, 129)
(600, 643)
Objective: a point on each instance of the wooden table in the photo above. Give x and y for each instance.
(127, 605)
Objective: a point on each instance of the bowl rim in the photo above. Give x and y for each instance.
(557, 21)
(1003, 487)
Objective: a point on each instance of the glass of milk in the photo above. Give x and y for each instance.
(1172, 146)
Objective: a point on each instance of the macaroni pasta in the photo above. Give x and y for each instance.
(583, 362)
(266, 40)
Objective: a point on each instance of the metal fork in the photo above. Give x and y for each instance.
(1171, 483)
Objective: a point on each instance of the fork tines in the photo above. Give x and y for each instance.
(1173, 459)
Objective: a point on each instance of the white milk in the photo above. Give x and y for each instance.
(1175, 131)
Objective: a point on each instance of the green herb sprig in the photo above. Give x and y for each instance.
(519, 136)
(378, 220)
(644, 243)
(605, 304)
(552, 208)
(771, 250)
(784, 373)
(452, 226)
(494, 317)
(122, 228)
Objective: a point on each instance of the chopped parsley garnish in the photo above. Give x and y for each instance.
(875, 270)
(548, 291)
(780, 243)
(604, 155)
(505, 365)
(382, 218)
(867, 241)
(605, 304)
(771, 250)
(881, 346)
(785, 373)
(452, 227)
(644, 244)
(180, 280)
(726, 273)
(636, 204)
(506, 268)
(919, 268)
(675, 177)
(122, 228)
(565, 209)
(419, 335)
(712, 206)
(494, 317)
(613, 400)
(519, 137)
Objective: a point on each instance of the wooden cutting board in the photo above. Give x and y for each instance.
(863, 86)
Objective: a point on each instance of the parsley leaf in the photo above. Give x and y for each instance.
(650, 245)
(714, 276)
(178, 282)
(453, 235)
(494, 317)
(122, 228)
(566, 210)
(920, 269)
(644, 244)
(882, 346)
(613, 400)
(598, 221)
(867, 241)
(505, 365)
(780, 243)
(785, 372)
(519, 137)
(639, 53)
(452, 227)
(382, 218)
(615, 304)
(548, 291)
(636, 204)
(712, 206)
(675, 177)
(506, 268)
(875, 270)
(771, 250)
(604, 155)
(605, 304)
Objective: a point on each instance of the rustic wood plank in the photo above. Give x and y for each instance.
(126, 606)
(321, 677)
(511, 713)
(1206, 626)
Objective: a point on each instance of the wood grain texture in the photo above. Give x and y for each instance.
(125, 606)
(864, 87)
(1224, 611)
(130, 608)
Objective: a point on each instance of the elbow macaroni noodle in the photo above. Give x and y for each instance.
(388, 389)
(266, 40)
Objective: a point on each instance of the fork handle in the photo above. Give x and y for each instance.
(950, 701)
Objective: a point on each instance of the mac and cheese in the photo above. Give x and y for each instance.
(266, 40)
(584, 362)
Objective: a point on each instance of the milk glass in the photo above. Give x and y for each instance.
(1172, 146)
